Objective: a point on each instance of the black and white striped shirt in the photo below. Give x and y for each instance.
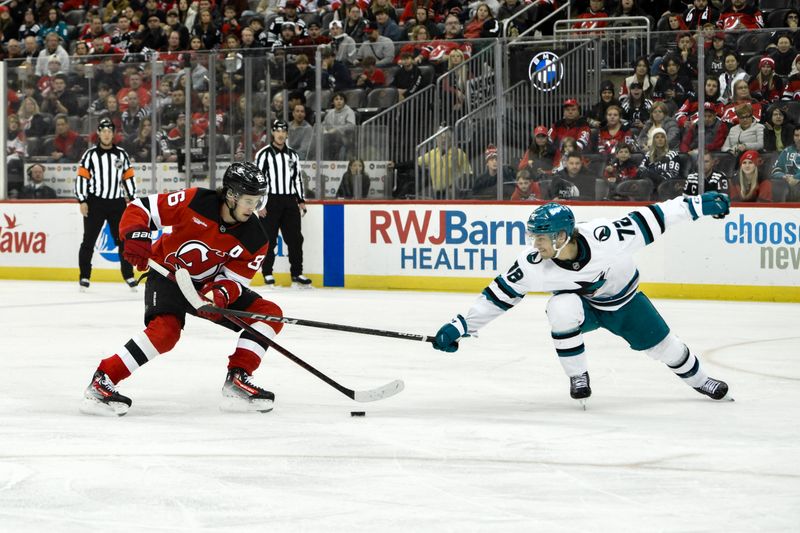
(282, 169)
(105, 174)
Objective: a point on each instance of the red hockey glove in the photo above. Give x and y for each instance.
(138, 247)
(221, 293)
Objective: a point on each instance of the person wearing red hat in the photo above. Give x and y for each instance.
(572, 125)
(749, 187)
(716, 132)
(485, 186)
(766, 86)
(539, 155)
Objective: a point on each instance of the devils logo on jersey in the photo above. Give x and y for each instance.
(201, 261)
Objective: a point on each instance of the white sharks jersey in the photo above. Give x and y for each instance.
(604, 273)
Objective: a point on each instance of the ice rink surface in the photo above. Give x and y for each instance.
(486, 439)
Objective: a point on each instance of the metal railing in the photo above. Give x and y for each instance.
(622, 40)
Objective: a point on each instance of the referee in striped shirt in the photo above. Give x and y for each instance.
(285, 203)
(105, 180)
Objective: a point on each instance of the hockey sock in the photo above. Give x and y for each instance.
(571, 352)
(161, 335)
(250, 349)
(676, 355)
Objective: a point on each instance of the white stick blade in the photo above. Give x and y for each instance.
(388, 390)
(187, 288)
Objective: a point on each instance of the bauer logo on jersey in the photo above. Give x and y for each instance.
(546, 71)
(602, 233)
(201, 261)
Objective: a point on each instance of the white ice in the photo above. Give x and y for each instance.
(486, 439)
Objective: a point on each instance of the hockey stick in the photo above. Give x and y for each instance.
(379, 393)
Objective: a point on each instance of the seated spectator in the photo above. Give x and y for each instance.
(596, 117)
(377, 46)
(58, 99)
(715, 132)
(571, 125)
(134, 85)
(386, 26)
(568, 146)
(783, 55)
(31, 120)
(791, 20)
(778, 130)
(766, 86)
(792, 90)
(339, 124)
(301, 133)
(54, 24)
(113, 113)
(154, 37)
(594, 17)
(67, 146)
(206, 30)
(455, 85)
(715, 56)
(714, 179)
(787, 167)
(355, 24)
(139, 143)
(636, 108)
(741, 96)
(438, 50)
(672, 86)
(666, 43)
(376, 6)
(747, 135)
(538, 158)
(52, 46)
(574, 181)
(421, 19)
(133, 116)
(485, 185)
(474, 27)
(335, 75)
(36, 188)
(344, 47)
(108, 75)
(659, 118)
(525, 188)
(353, 175)
(408, 80)
(300, 74)
(16, 151)
(371, 76)
(660, 164)
(420, 41)
(740, 15)
(446, 165)
(614, 133)
(686, 54)
(749, 186)
(509, 8)
(687, 114)
(699, 12)
(733, 73)
(620, 168)
(176, 106)
(313, 37)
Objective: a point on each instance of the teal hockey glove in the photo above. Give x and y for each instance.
(447, 337)
(713, 203)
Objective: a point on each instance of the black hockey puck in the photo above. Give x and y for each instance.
(358, 413)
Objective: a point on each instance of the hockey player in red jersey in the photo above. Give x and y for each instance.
(218, 240)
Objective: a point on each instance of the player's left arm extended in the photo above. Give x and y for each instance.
(644, 225)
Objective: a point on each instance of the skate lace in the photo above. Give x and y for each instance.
(710, 386)
(580, 381)
(107, 384)
(248, 380)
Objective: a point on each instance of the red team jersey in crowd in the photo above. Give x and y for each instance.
(200, 241)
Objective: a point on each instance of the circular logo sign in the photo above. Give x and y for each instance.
(545, 71)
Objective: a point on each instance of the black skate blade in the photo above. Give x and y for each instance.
(91, 406)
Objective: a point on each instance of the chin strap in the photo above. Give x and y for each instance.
(559, 249)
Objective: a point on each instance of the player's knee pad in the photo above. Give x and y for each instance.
(671, 350)
(565, 312)
(163, 332)
(265, 307)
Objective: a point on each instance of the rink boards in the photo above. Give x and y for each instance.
(752, 254)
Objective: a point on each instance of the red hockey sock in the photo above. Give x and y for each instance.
(114, 368)
(244, 359)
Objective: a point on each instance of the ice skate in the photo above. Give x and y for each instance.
(301, 282)
(714, 389)
(579, 388)
(132, 283)
(101, 398)
(83, 285)
(241, 395)
(269, 281)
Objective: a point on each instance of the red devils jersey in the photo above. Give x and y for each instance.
(200, 241)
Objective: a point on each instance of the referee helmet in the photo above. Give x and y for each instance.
(245, 178)
(106, 123)
(279, 125)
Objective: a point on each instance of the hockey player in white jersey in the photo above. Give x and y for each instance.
(589, 269)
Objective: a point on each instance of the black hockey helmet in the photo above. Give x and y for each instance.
(279, 125)
(245, 178)
(105, 123)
